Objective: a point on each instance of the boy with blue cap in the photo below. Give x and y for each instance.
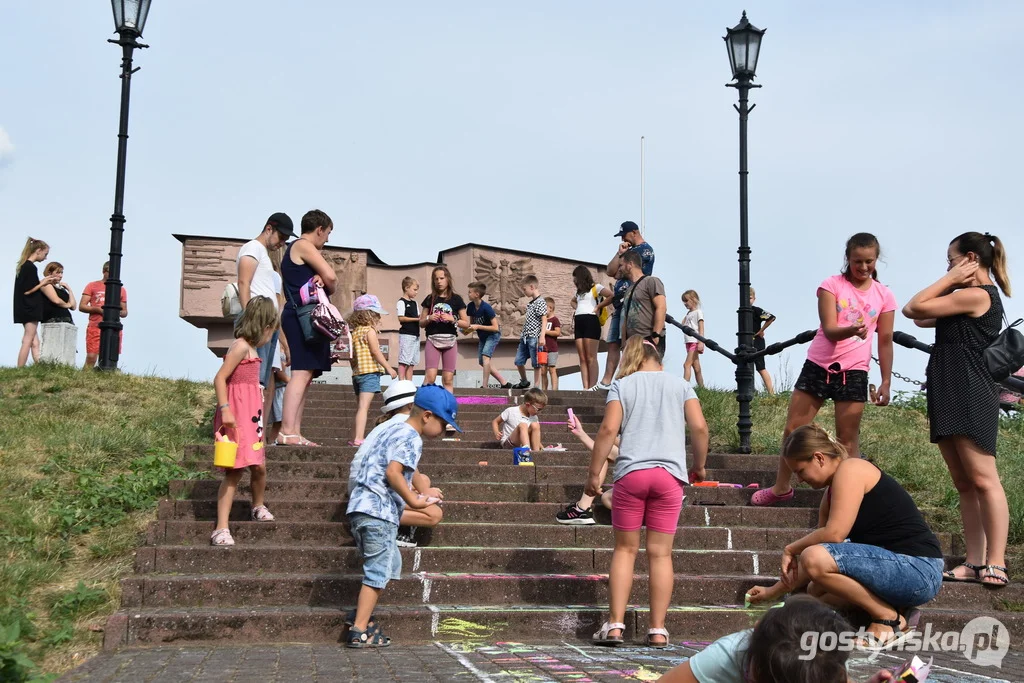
(382, 490)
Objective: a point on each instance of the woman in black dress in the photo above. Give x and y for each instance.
(963, 401)
(59, 299)
(28, 297)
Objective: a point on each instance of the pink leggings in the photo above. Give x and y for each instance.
(651, 498)
(436, 359)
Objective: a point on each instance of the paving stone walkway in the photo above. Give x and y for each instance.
(449, 663)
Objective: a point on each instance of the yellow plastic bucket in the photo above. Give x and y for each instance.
(224, 451)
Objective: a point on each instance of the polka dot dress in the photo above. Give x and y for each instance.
(963, 399)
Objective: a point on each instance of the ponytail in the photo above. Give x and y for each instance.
(990, 252)
(635, 353)
(31, 247)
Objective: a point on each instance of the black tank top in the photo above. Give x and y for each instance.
(888, 518)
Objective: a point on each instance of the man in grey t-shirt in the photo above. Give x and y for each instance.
(644, 305)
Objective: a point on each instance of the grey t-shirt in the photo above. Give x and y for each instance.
(638, 307)
(653, 432)
(722, 660)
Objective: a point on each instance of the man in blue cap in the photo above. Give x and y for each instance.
(382, 489)
(632, 240)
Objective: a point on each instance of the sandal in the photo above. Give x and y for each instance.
(951, 575)
(355, 444)
(303, 441)
(657, 632)
(602, 637)
(767, 497)
(221, 537)
(260, 513)
(989, 573)
(898, 636)
(278, 441)
(371, 637)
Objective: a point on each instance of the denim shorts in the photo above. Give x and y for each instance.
(376, 540)
(615, 327)
(527, 351)
(366, 384)
(900, 580)
(487, 345)
(266, 354)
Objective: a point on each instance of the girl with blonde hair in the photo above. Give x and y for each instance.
(28, 297)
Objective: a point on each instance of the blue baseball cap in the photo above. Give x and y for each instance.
(439, 401)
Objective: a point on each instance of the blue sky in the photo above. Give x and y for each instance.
(419, 127)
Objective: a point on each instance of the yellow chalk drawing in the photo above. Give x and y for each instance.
(643, 674)
(460, 628)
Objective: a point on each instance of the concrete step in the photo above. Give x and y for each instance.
(454, 453)
(455, 534)
(329, 409)
(493, 472)
(269, 589)
(455, 623)
(285, 559)
(322, 489)
(522, 513)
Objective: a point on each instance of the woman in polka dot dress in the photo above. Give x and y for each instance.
(963, 402)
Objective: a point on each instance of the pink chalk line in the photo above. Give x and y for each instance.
(482, 400)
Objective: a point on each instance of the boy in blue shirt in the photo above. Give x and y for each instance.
(382, 489)
(484, 321)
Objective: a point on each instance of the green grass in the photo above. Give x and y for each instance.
(84, 457)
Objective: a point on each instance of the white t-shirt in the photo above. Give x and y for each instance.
(586, 303)
(692, 318)
(511, 418)
(263, 282)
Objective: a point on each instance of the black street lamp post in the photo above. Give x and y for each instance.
(129, 21)
(744, 45)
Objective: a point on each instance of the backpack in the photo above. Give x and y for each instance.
(1005, 355)
(230, 304)
(604, 313)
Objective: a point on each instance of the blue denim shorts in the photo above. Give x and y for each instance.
(615, 327)
(376, 540)
(527, 351)
(266, 354)
(366, 384)
(900, 580)
(487, 345)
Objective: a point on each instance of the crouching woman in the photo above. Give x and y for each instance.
(872, 548)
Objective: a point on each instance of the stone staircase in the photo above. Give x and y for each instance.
(498, 568)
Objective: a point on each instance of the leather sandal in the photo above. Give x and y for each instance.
(373, 636)
(898, 636)
(602, 637)
(657, 632)
(952, 577)
(989, 572)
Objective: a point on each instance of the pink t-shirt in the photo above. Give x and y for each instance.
(852, 306)
(97, 293)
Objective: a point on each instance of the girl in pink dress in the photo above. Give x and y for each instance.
(240, 412)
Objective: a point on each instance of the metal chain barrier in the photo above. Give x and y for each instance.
(899, 376)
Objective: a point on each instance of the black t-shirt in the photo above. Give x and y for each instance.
(28, 308)
(451, 305)
(409, 309)
(52, 313)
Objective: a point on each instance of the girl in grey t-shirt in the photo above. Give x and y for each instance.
(646, 408)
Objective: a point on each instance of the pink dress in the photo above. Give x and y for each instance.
(246, 399)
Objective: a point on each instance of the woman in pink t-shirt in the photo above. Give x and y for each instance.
(852, 307)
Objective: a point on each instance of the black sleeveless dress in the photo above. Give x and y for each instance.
(963, 399)
(52, 313)
(28, 308)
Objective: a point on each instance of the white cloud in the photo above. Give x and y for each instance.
(6, 147)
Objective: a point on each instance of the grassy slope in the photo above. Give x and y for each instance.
(77, 488)
(81, 465)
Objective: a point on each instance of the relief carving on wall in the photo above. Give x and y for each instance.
(504, 280)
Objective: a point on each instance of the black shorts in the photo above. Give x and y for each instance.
(587, 327)
(759, 346)
(849, 386)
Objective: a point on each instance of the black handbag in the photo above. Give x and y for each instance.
(1005, 355)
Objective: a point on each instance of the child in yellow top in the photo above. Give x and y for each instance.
(368, 362)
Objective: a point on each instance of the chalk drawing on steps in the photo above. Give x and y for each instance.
(728, 539)
(757, 565)
(455, 628)
(707, 516)
(416, 559)
(435, 616)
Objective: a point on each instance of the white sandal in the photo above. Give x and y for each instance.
(221, 537)
(602, 637)
(657, 632)
(260, 513)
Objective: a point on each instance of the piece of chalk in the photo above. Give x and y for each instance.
(746, 601)
(482, 462)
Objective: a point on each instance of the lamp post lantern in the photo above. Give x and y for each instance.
(743, 42)
(129, 21)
